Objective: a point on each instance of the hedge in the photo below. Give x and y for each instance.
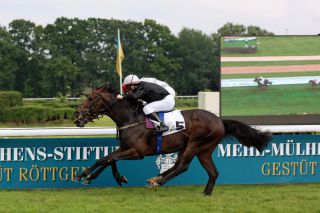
(29, 114)
(10, 99)
(187, 102)
(53, 104)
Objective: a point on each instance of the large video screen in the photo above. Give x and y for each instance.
(271, 79)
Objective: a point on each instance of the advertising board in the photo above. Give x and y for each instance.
(54, 162)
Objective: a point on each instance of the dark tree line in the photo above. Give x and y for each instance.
(69, 55)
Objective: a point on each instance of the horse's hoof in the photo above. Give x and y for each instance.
(124, 179)
(207, 194)
(152, 185)
(79, 178)
(86, 182)
(154, 179)
(76, 179)
(121, 180)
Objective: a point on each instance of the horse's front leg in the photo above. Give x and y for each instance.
(97, 164)
(120, 179)
(119, 154)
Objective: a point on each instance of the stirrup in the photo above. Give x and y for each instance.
(162, 128)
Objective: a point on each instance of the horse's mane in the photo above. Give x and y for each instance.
(108, 87)
(133, 104)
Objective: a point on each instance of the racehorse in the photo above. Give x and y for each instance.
(313, 83)
(202, 134)
(262, 83)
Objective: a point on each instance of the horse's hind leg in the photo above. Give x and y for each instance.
(174, 166)
(205, 158)
(182, 165)
(154, 180)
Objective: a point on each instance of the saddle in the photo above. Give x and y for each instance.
(173, 119)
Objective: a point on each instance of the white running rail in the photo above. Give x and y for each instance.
(68, 131)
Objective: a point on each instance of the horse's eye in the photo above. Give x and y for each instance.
(90, 99)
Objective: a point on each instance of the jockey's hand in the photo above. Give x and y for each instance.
(142, 102)
(119, 97)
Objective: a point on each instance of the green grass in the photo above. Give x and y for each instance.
(295, 198)
(269, 75)
(276, 100)
(283, 46)
(266, 63)
(234, 44)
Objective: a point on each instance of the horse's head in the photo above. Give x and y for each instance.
(96, 104)
(256, 79)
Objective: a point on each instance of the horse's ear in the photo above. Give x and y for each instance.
(110, 88)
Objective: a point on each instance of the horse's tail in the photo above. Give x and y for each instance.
(247, 135)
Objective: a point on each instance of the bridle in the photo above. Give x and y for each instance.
(91, 113)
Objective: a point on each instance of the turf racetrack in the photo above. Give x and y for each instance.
(294, 198)
(282, 46)
(275, 100)
(266, 63)
(270, 75)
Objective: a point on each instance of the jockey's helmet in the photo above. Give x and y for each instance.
(131, 79)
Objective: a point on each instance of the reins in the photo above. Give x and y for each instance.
(130, 125)
(107, 109)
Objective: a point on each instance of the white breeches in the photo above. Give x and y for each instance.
(165, 104)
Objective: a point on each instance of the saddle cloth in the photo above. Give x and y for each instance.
(174, 120)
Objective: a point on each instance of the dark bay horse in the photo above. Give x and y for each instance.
(313, 83)
(262, 83)
(201, 136)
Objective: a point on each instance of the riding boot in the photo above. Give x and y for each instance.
(162, 127)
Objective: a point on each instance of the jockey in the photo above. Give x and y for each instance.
(261, 79)
(158, 95)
